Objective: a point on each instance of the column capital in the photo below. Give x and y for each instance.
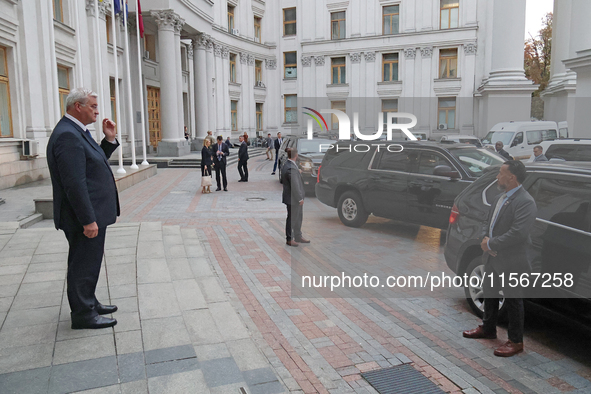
(217, 49)
(319, 60)
(470, 48)
(355, 57)
(178, 25)
(201, 41)
(250, 60)
(243, 57)
(410, 53)
(306, 61)
(103, 7)
(225, 52)
(427, 51)
(190, 50)
(370, 56)
(271, 64)
(165, 19)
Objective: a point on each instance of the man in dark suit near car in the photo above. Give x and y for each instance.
(243, 160)
(220, 152)
(511, 217)
(293, 197)
(499, 149)
(85, 202)
(277, 145)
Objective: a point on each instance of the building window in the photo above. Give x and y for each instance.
(259, 108)
(390, 67)
(341, 106)
(338, 70)
(450, 10)
(113, 100)
(258, 71)
(389, 106)
(63, 81)
(290, 65)
(234, 114)
(150, 47)
(58, 11)
(257, 29)
(289, 21)
(337, 21)
(5, 112)
(230, 18)
(232, 67)
(390, 20)
(448, 63)
(109, 24)
(291, 108)
(447, 113)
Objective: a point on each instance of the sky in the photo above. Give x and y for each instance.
(534, 12)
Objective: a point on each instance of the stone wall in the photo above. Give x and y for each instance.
(14, 171)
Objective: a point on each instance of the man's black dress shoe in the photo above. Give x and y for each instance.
(242, 180)
(105, 309)
(93, 323)
(218, 189)
(225, 189)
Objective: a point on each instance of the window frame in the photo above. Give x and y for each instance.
(338, 22)
(294, 22)
(231, 20)
(259, 116)
(290, 65)
(447, 109)
(341, 72)
(286, 108)
(258, 71)
(447, 58)
(257, 28)
(61, 11)
(6, 80)
(113, 98)
(385, 111)
(391, 16)
(152, 43)
(233, 73)
(333, 118)
(391, 63)
(441, 8)
(234, 115)
(63, 92)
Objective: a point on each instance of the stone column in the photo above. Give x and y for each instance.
(172, 144)
(201, 97)
(210, 72)
(178, 27)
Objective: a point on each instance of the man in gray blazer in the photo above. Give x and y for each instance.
(505, 247)
(539, 154)
(293, 197)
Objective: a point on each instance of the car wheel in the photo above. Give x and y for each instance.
(351, 210)
(474, 291)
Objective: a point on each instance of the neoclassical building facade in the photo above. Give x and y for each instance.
(232, 66)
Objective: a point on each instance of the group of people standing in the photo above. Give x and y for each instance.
(214, 156)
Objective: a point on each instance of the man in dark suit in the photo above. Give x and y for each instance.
(511, 217)
(539, 154)
(85, 202)
(220, 152)
(293, 197)
(278, 143)
(499, 149)
(243, 160)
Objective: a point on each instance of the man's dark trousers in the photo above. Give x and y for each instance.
(243, 169)
(294, 221)
(220, 169)
(513, 305)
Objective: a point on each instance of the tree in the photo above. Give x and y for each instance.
(538, 52)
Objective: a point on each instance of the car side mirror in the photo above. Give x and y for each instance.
(444, 170)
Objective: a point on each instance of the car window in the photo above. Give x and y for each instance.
(393, 161)
(430, 160)
(518, 139)
(584, 153)
(315, 145)
(563, 201)
(476, 161)
(562, 151)
(491, 192)
(504, 136)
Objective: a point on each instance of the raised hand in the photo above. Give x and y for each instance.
(109, 129)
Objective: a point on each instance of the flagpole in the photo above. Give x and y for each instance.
(120, 170)
(99, 55)
(129, 102)
(141, 89)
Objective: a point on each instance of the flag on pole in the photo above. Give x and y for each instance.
(117, 6)
(141, 18)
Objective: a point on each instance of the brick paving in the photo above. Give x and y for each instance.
(322, 344)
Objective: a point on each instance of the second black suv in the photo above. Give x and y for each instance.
(417, 183)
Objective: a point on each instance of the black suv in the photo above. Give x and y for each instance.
(561, 236)
(310, 154)
(416, 182)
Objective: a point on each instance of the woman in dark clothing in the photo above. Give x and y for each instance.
(206, 163)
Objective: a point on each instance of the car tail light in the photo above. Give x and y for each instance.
(318, 174)
(454, 215)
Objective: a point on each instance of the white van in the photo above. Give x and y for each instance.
(519, 138)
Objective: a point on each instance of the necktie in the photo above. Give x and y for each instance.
(88, 134)
(496, 212)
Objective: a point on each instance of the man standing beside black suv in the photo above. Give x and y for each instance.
(511, 217)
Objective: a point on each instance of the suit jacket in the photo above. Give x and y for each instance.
(541, 157)
(243, 152)
(221, 161)
(293, 186)
(505, 154)
(84, 188)
(206, 156)
(228, 143)
(510, 235)
(277, 144)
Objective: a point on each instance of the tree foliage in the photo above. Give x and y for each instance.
(538, 52)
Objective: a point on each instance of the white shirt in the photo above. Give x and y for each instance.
(83, 126)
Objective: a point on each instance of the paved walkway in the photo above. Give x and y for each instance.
(203, 286)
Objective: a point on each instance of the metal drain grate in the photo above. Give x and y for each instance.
(402, 379)
(255, 199)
